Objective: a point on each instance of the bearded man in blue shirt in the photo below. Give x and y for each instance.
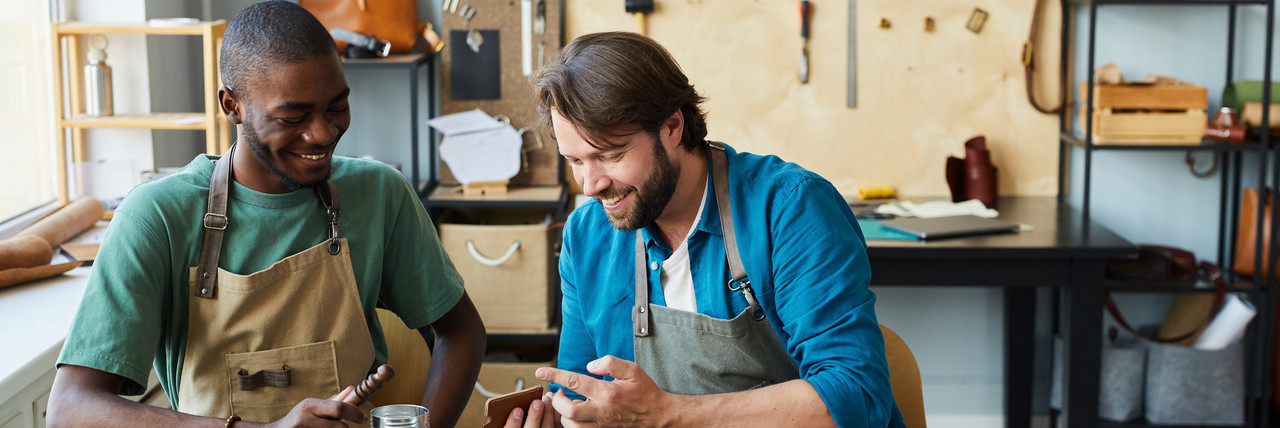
(702, 286)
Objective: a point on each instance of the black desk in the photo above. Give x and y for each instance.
(1059, 253)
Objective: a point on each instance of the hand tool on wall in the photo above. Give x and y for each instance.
(526, 37)
(640, 8)
(805, 9)
(540, 17)
(851, 97)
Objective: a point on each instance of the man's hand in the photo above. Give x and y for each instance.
(632, 399)
(541, 415)
(314, 412)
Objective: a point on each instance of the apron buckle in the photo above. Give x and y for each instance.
(744, 286)
(215, 221)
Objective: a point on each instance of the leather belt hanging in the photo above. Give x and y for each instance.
(1029, 62)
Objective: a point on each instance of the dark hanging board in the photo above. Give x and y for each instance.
(515, 95)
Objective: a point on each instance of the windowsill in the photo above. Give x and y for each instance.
(11, 227)
(37, 317)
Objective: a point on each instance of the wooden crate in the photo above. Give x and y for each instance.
(1178, 127)
(1151, 97)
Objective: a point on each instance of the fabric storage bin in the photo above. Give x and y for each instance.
(1123, 377)
(504, 373)
(504, 257)
(1187, 386)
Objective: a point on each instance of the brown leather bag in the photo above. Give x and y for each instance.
(395, 21)
(1247, 232)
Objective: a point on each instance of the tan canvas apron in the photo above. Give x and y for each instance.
(258, 344)
(692, 353)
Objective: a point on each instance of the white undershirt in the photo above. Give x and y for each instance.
(677, 279)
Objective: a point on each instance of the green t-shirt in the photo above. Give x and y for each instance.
(134, 310)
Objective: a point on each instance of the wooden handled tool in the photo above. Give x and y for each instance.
(371, 385)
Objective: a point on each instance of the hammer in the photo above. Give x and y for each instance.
(639, 8)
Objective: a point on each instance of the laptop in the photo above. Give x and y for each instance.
(949, 227)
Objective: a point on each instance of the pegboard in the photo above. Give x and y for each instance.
(516, 101)
(921, 93)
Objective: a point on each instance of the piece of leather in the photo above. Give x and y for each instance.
(1232, 134)
(395, 21)
(1219, 291)
(979, 173)
(250, 381)
(1154, 263)
(1029, 63)
(497, 409)
(1246, 232)
(955, 178)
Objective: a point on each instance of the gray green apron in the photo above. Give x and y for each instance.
(692, 353)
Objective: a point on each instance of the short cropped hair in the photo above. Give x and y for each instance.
(615, 84)
(267, 33)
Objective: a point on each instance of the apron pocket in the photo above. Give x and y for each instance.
(312, 373)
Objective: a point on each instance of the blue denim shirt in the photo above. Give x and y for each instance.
(804, 255)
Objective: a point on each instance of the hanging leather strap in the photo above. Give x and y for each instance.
(640, 313)
(1029, 63)
(738, 282)
(278, 378)
(720, 179)
(1219, 290)
(215, 225)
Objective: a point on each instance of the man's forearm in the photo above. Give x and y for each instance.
(792, 404)
(455, 362)
(75, 407)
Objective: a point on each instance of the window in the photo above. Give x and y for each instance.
(27, 179)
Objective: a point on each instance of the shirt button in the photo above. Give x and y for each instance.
(653, 265)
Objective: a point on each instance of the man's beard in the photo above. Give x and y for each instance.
(262, 152)
(652, 196)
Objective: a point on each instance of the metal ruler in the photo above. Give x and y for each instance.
(852, 95)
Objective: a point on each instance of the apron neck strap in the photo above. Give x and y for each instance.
(720, 179)
(739, 282)
(215, 224)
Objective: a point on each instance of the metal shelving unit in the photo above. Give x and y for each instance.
(413, 62)
(1261, 291)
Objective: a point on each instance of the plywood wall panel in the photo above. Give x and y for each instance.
(921, 94)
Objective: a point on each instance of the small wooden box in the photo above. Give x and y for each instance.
(1148, 97)
(1177, 127)
(1147, 114)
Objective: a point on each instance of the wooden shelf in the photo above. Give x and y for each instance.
(81, 28)
(191, 121)
(516, 197)
(69, 110)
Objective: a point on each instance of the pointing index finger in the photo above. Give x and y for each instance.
(585, 385)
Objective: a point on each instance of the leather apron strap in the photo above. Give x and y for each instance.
(215, 224)
(739, 282)
(692, 353)
(311, 351)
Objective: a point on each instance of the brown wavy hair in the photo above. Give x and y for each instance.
(616, 84)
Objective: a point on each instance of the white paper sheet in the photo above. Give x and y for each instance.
(464, 122)
(1228, 326)
(492, 155)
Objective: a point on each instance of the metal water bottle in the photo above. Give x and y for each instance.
(97, 81)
